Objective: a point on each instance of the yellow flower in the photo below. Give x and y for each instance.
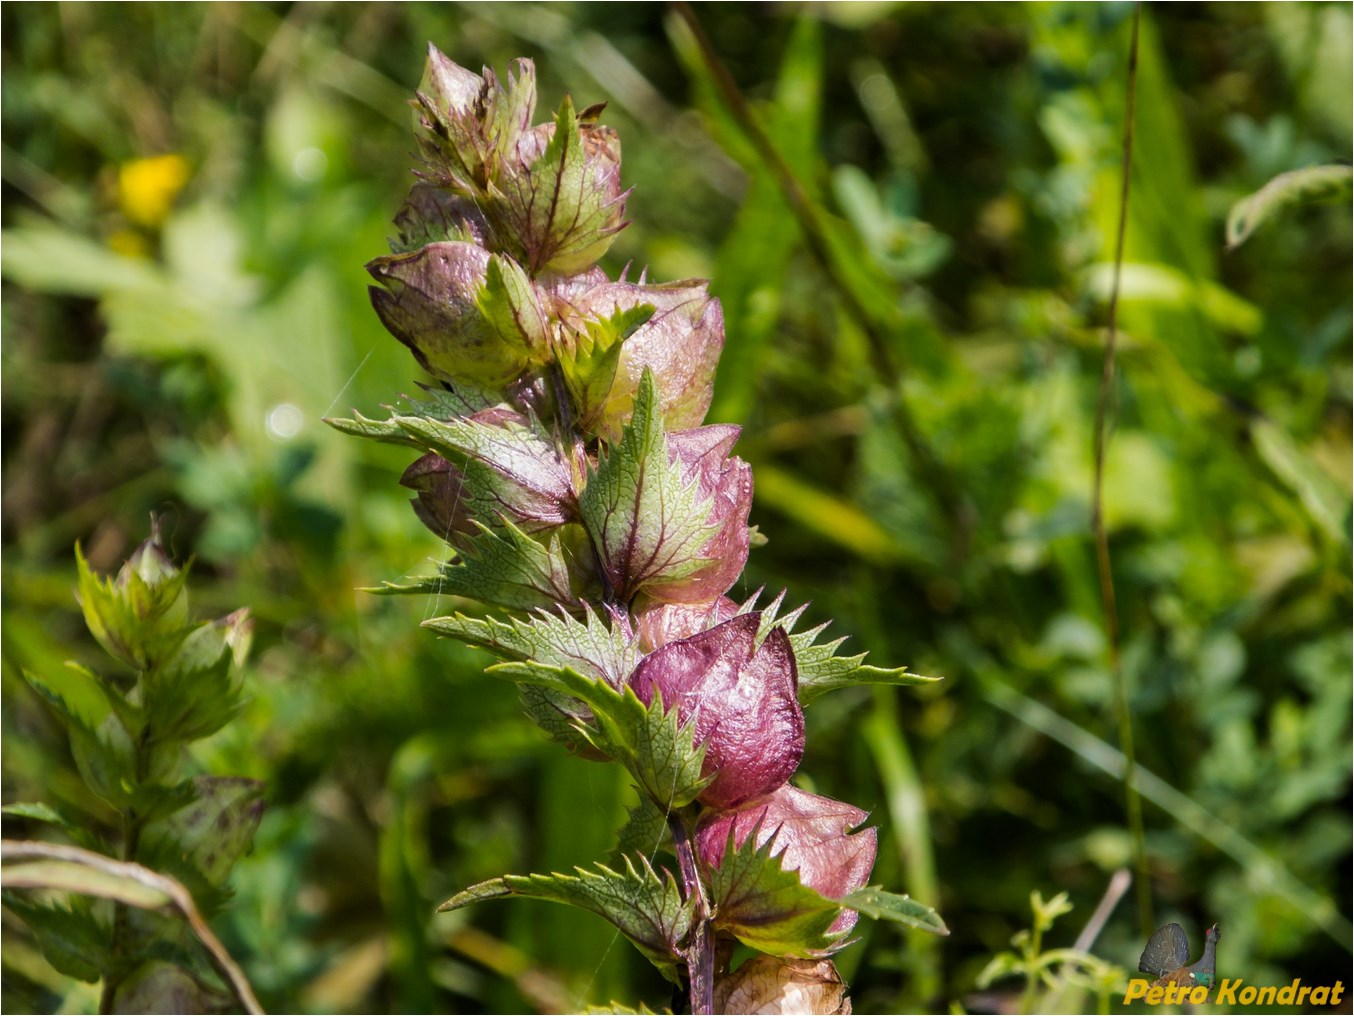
(147, 188)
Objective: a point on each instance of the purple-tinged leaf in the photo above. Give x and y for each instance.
(811, 835)
(703, 454)
(766, 905)
(647, 519)
(433, 214)
(504, 468)
(558, 203)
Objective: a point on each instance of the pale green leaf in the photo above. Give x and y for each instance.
(885, 906)
(591, 646)
(1296, 187)
(820, 668)
(646, 907)
(503, 566)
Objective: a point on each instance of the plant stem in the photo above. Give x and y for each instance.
(1132, 799)
(700, 954)
(132, 827)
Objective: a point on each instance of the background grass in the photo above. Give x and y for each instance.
(916, 375)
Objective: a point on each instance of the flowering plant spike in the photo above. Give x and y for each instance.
(560, 452)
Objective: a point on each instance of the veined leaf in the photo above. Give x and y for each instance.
(642, 833)
(768, 908)
(211, 832)
(72, 939)
(590, 646)
(502, 566)
(446, 403)
(648, 740)
(589, 363)
(648, 523)
(884, 906)
(531, 478)
(820, 668)
(647, 908)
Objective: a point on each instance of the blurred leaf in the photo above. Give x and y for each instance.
(72, 939)
(1287, 190)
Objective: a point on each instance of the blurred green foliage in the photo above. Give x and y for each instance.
(917, 387)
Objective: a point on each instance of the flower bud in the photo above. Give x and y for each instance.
(742, 699)
(465, 123)
(439, 504)
(134, 614)
(681, 344)
(813, 835)
(727, 482)
(465, 315)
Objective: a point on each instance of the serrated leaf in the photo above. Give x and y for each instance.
(1299, 186)
(36, 865)
(522, 474)
(210, 833)
(644, 831)
(104, 753)
(872, 901)
(563, 207)
(152, 801)
(132, 715)
(508, 302)
(590, 646)
(648, 740)
(502, 566)
(134, 621)
(194, 692)
(71, 938)
(647, 523)
(589, 362)
(557, 714)
(820, 668)
(443, 403)
(767, 907)
(646, 908)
